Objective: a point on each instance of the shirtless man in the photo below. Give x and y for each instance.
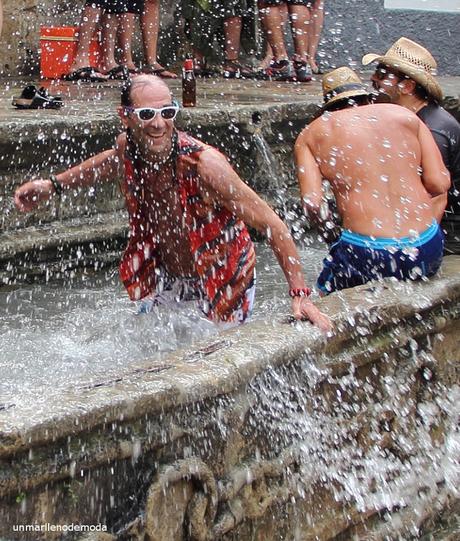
(389, 181)
(404, 74)
(187, 210)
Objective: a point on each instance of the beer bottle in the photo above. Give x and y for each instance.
(188, 84)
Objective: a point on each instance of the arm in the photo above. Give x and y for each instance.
(100, 168)
(310, 180)
(435, 176)
(231, 192)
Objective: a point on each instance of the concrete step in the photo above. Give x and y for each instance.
(52, 250)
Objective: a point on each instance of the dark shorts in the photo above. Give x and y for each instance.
(203, 26)
(357, 259)
(306, 3)
(118, 7)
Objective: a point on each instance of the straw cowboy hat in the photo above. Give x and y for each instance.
(412, 60)
(340, 84)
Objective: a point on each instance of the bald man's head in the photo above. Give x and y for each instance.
(138, 82)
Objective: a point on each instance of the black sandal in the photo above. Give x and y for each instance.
(118, 73)
(31, 98)
(234, 70)
(161, 72)
(85, 75)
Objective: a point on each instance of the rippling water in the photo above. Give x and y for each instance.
(59, 335)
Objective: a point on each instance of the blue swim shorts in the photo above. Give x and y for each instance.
(357, 259)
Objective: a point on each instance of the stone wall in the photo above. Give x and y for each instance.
(271, 432)
(351, 29)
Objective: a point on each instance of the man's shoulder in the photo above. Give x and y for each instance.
(391, 110)
(189, 144)
(317, 126)
(437, 118)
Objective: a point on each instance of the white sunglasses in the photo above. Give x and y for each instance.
(168, 112)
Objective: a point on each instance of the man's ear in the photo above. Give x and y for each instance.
(407, 86)
(123, 116)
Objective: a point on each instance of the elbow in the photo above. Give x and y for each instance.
(446, 181)
(440, 186)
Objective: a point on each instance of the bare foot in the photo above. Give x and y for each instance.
(158, 69)
(314, 66)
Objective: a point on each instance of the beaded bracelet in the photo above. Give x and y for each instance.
(56, 184)
(300, 292)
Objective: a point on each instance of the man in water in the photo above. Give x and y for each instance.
(187, 211)
(388, 179)
(405, 75)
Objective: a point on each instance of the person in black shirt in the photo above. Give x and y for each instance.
(404, 74)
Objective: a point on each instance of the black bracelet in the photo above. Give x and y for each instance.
(56, 184)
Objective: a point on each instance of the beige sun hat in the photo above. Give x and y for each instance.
(340, 84)
(412, 60)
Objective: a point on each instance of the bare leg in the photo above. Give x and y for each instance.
(232, 31)
(265, 63)
(272, 17)
(150, 25)
(125, 40)
(89, 20)
(300, 19)
(199, 59)
(316, 25)
(110, 24)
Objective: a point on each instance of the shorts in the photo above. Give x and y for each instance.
(357, 259)
(204, 22)
(176, 290)
(306, 3)
(118, 7)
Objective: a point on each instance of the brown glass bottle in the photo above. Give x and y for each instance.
(188, 84)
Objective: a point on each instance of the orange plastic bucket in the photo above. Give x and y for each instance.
(58, 46)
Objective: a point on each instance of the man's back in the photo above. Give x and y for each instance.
(372, 155)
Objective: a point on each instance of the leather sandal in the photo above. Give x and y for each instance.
(31, 98)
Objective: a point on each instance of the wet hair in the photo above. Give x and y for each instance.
(422, 93)
(132, 82)
(125, 98)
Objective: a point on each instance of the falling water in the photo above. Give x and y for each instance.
(86, 331)
(404, 470)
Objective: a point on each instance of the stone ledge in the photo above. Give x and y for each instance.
(187, 376)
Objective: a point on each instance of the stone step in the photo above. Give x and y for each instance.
(52, 250)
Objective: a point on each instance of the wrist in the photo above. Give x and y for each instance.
(57, 186)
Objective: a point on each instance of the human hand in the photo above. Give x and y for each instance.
(302, 308)
(27, 196)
